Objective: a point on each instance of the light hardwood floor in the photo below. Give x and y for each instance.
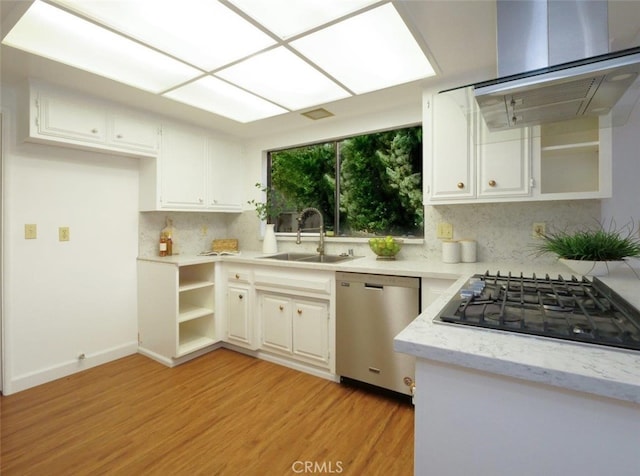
(221, 414)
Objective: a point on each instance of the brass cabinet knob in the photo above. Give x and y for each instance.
(299, 311)
(240, 296)
(460, 185)
(281, 307)
(237, 276)
(492, 183)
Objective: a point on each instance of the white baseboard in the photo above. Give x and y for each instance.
(180, 360)
(23, 382)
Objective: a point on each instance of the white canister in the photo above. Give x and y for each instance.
(450, 252)
(468, 251)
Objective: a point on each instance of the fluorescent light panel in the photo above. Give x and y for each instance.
(203, 33)
(50, 32)
(365, 52)
(214, 95)
(282, 77)
(370, 51)
(287, 18)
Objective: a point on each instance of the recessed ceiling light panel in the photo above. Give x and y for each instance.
(282, 77)
(287, 18)
(55, 34)
(203, 33)
(367, 52)
(214, 95)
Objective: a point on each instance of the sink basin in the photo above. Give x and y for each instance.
(325, 259)
(290, 256)
(308, 257)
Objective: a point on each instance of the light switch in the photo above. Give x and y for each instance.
(63, 233)
(30, 231)
(445, 231)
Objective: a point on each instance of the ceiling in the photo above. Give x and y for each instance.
(459, 37)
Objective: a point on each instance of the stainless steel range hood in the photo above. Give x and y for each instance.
(571, 73)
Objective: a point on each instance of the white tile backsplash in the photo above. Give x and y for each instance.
(502, 230)
(194, 231)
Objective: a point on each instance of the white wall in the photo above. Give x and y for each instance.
(67, 298)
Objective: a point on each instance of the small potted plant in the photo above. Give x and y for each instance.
(268, 212)
(592, 251)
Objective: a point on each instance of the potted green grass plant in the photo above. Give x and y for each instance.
(592, 251)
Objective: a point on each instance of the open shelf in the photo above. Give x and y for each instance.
(188, 286)
(196, 273)
(570, 156)
(195, 334)
(189, 312)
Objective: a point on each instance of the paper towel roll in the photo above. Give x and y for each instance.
(468, 251)
(450, 252)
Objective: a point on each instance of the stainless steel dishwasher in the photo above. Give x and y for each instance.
(371, 310)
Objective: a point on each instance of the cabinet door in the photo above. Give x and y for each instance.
(69, 118)
(451, 146)
(238, 316)
(310, 330)
(183, 160)
(503, 162)
(276, 322)
(133, 132)
(225, 176)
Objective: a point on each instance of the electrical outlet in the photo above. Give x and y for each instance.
(30, 232)
(538, 230)
(63, 233)
(445, 231)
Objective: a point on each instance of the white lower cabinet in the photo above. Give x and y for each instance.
(295, 315)
(296, 327)
(176, 309)
(240, 322)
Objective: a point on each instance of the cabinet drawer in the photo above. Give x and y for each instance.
(297, 281)
(238, 275)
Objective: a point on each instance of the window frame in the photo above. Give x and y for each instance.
(337, 141)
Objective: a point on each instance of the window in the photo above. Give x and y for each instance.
(363, 185)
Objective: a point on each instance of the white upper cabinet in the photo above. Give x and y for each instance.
(134, 132)
(60, 117)
(503, 161)
(573, 158)
(183, 168)
(467, 163)
(195, 171)
(225, 175)
(449, 147)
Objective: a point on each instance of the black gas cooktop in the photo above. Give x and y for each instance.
(572, 309)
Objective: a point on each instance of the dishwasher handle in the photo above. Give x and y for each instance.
(379, 287)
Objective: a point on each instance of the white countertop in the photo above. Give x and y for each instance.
(599, 370)
(595, 369)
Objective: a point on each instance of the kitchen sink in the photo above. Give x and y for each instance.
(309, 257)
(290, 256)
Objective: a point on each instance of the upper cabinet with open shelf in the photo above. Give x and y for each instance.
(466, 163)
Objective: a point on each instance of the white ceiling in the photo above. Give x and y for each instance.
(458, 35)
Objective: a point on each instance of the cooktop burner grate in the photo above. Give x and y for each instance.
(573, 309)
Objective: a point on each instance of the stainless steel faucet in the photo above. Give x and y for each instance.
(320, 248)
